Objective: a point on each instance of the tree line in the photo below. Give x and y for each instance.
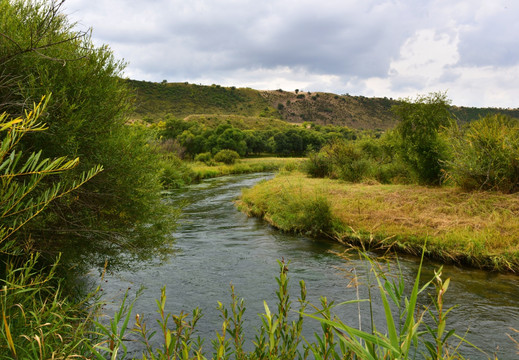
(195, 138)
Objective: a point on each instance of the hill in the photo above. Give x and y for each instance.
(155, 100)
(357, 112)
(183, 100)
(240, 122)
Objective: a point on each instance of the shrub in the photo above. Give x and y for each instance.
(120, 210)
(486, 155)
(317, 165)
(394, 172)
(175, 173)
(226, 156)
(25, 192)
(348, 161)
(421, 146)
(205, 157)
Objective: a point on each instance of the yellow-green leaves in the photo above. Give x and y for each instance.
(22, 194)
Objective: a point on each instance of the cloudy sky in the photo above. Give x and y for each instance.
(393, 48)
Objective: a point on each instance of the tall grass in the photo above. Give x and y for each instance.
(413, 329)
(38, 321)
(486, 155)
(305, 211)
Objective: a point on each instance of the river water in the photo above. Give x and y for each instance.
(217, 245)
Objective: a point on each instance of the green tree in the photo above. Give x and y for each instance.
(119, 210)
(421, 144)
(232, 139)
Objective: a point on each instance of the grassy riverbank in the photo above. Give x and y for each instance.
(243, 166)
(480, 229)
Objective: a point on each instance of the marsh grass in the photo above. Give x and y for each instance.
(480, 229)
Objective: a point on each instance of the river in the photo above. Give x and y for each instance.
(217, 245)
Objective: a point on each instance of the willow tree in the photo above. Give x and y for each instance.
(23, 193)
(120, 210)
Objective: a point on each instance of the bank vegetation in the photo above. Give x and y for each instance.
(429, 182)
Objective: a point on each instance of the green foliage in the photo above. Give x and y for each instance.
(181, 100)
(486, 155)
(37, 320)
(232, 139)
(342, 160)
(226, 156)
(24, 192)
(86, 117)
(360, 160)
(204, 157)
(410, 328)
(404, 322)
(198, 135)
(175, 173)
(318, 165)
(350, 164)
(422, 146)
(307, 213)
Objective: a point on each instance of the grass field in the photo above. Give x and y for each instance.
(480, 229)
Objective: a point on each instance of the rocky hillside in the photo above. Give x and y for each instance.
(356, 112)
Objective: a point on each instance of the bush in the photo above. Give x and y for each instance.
(317, 165)
(348, 161)
(227, 156)
(204, 157)
(175, 173)
(120, 210)
(394, 172)
(421, 145)
(486, 155)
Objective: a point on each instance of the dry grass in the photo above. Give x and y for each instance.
(476, 228)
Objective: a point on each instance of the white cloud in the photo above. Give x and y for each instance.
(371, 47)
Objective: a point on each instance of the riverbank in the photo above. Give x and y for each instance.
(244, 166)
(479, 229)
